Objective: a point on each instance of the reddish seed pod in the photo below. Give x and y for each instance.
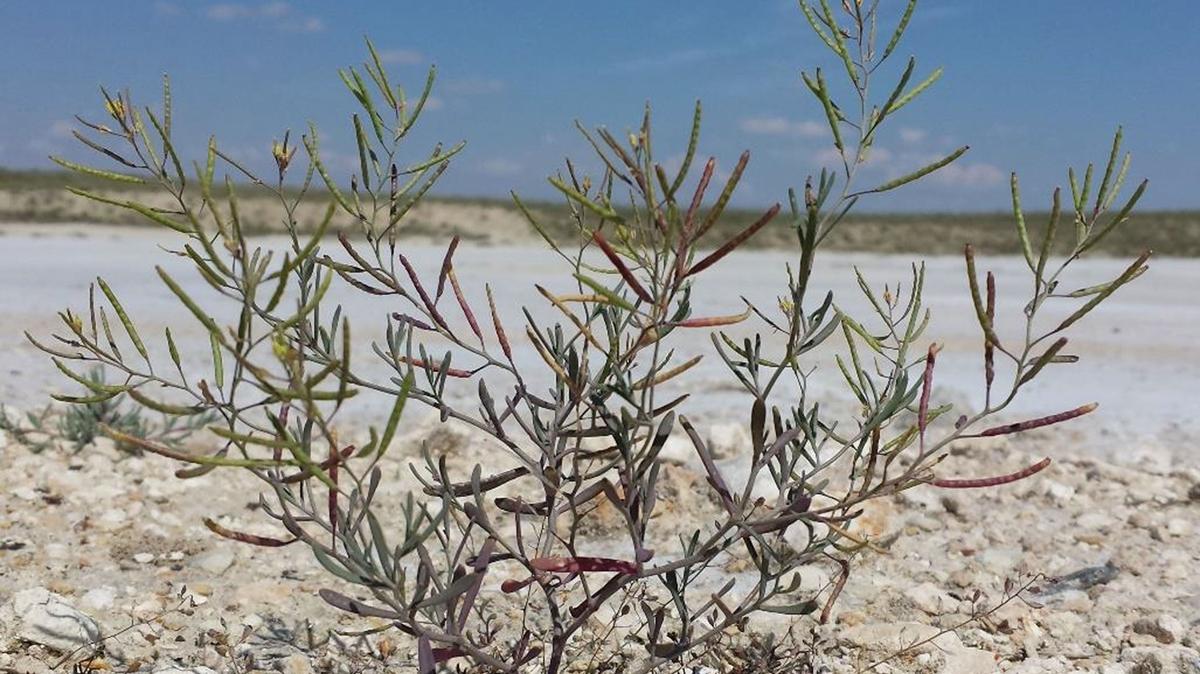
(430, 306)
(501, 336)
(252, 539)
(626, 272)
(447, 263)
(701, 187)
(926, 390)
(466, 308)
(511, 585)
(733, 243)
(1039, 422)
(714, 321)
(992, 481)
(989, 348)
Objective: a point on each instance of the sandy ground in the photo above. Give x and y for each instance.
(1139, 353)
(1114, 524)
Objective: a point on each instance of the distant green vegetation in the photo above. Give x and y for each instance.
(39, 196)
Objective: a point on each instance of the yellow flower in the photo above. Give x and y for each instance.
(282, 153)
(115, 108)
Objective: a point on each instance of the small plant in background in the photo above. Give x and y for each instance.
(582, 432)
(81, 421)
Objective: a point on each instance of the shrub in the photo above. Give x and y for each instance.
(585, 428)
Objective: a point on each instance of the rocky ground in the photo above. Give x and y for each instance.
(103, 559)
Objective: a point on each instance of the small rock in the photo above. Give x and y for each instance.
(963, 578)
(252, 621)
(1059, 492)
(45, 618)
(114, 518)
(1194, 492)
(969, 661)
(56, 551)
(1095, 520)
(931, 599)
(143, 557)
(1080, 580)
(216, 561)
(924, 522)
(174, 621)
(25, 494)
(1142, 520)
(728, 440)
(1000, 560)
(1162, 660)
(296, 663)
(60, 586)
(1076, 601)
(878, 522)
(12, 544)
(100, 598)
(1037, 665)
(171, 669)
(1177, 526)
(1167, 629)
(851, 618)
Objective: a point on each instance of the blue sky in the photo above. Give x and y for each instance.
(1031, 85)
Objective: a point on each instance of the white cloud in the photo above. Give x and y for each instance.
(913, 155)
(401, 56)
(310, 24)
(910, 136)
(828, 157)
(280, 15)
(782, 126)
(164, 8)
(959, 174)
(499, 167)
